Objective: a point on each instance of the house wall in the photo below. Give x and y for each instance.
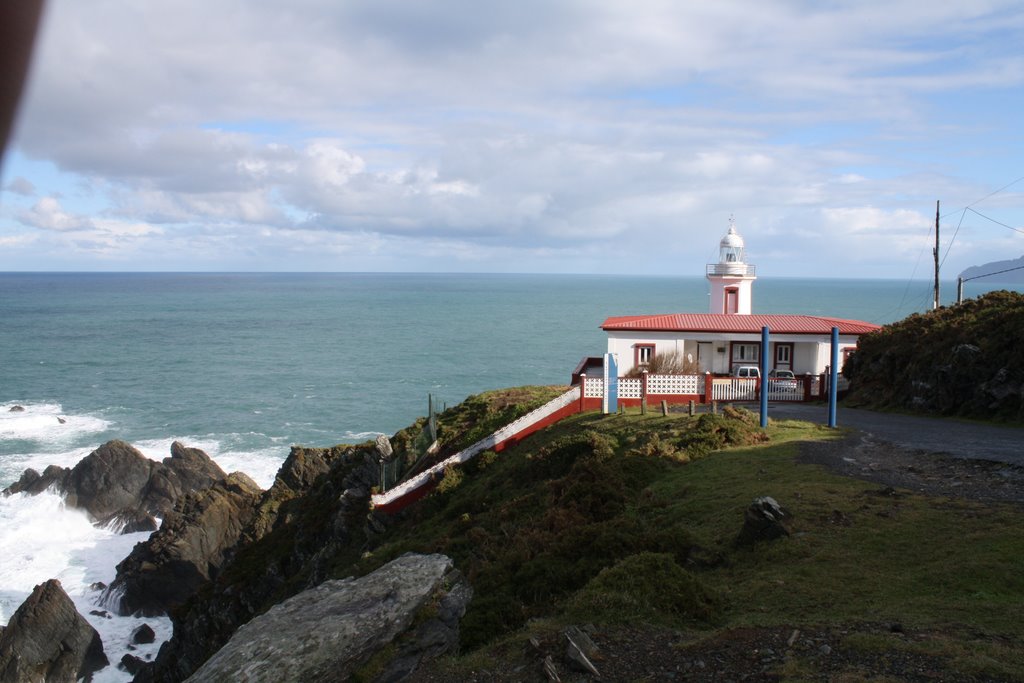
(810, 353)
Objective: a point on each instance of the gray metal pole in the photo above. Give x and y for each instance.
(833, 378)
(764, 377)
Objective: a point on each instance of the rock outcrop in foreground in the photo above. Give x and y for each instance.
(188, 550)
(48, 640)
(118, 484)
(330, 632)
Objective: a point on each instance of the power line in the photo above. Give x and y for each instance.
(990, 194)
(994, 220)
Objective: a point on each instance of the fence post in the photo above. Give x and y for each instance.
(709, 387)
(664, 408)
(583, 392)
(643, 392)
(691, 408)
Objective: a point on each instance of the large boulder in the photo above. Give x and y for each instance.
(48, 640)
(117, 483)
(330, 632)
(189, 548)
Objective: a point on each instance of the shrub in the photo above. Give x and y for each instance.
(668, 363)
(735, 427)
(646, 587)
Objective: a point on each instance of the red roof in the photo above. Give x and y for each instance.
(720, 322)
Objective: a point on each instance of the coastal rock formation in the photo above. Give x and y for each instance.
(48, 640)
(315, 512)
(116, 483)
(330, 632)
(189, 548)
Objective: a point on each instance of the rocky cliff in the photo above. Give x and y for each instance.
(310, 522)
(190, 547)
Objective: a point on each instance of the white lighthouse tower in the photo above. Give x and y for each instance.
(731, 278)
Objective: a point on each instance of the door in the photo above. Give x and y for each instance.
(704, 357)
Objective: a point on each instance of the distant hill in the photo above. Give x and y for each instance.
(1014, 276)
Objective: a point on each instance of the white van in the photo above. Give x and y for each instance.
(749, 371)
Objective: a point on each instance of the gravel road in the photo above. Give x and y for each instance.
(931, 434)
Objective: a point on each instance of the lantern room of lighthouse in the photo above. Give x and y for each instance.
(732, 277)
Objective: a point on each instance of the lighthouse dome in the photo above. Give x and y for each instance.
(732, 239)
(731, 249)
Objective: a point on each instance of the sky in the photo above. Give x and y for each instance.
(557, 136)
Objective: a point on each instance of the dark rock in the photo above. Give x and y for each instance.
(31, 482)
(48, 640)
(116, 483)
(61, 420)
(331, 631)
(301, 525)
(17, 409)
(764, 520)
(131, 664)
(102, 613)
(188, 549)
(97, 586)
(143, 635)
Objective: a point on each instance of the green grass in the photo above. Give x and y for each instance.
(589, 519)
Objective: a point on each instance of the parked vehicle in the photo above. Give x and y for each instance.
(783, 380)
(748, 371)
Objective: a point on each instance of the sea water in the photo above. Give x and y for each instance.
(245, 365)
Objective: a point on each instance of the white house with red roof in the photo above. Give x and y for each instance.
(729, 335)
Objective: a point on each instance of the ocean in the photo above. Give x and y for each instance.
(245, 365)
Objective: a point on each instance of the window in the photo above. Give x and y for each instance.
(746, 353)
(643, 354)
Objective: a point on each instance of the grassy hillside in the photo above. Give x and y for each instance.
(631, 520)
(964, 360)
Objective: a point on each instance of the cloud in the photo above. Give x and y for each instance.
(531, 129)
(47, 214)
(21, 186)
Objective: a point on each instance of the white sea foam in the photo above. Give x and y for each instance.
(41, 539)
(41, 423)
(35, 437)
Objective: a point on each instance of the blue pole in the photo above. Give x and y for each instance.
(764, 377)
(833, 378)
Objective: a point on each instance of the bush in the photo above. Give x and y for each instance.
(668, 363)
(646, 587)
(735, 427)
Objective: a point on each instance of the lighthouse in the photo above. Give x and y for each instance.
(732, 278)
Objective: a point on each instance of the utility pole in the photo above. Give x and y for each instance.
(935, 252)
